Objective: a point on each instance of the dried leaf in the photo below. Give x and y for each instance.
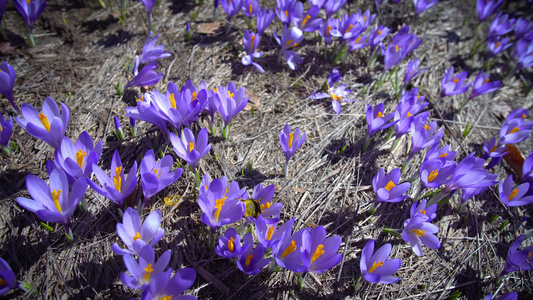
(254, 101)
(298, 190)
(209, 27)
(515, 159)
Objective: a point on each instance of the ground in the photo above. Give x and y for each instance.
(82, 52)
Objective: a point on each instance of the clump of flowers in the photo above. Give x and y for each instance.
(337, 94)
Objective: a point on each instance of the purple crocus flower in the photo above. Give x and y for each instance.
(155, 176)
(333, 6)
(152, 52)
(508, 296)
(454, 85)
(514, 197)
(308, 22)
(263, 196)
(376, 120)
(518, 260)
(251, 260)
(290, 38)
(336, 93)
(318, 3)
(420, 208)
(377, 267)
(524, 53)
(266, 232)
(7, 82)
(424, 135)
(494, 151)
(119, 133)
(284, 11)
(293, 251)
(422, 5)
(515, 131)
(30, 10)
(115, 187)
(6, 130)
(501, 25)
(251, 8)
(264, 18)
(323, 251)
(376, 36)
(229, 245)
(49, 125)
(230, 101)
(7, 277)
(164, 287)
(220, 203)
(386, 187)
(136, 235)
(231, 7)
(402, 44)
(523, 27)
(412, 70)
(443, 152)
(486, 8)
(359, 43)
(146, 77)
(55, 202)
(325, 30)
(189, 148)
(497, 45)
(406, 112)
(436, 172)
(290, 142)
(418, 231)
(147, 111)
(251, 41)
(483, 85)
(527, 169)
(348, 27)
(144, 271)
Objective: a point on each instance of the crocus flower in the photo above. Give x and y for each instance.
(189, 148)
(284, 11)
(376, 36)
(152, 52)
(30, 10)
(290, 38)
(494, 151)
(220, 203)
(412, 70)
(8, 279)
(144, 271)
(376, 120)
(325, 30)
(136, 235)
(231, 7)
(527, 169)
(453, 85)
(251, 8)
(164, 287)
(293, 251)
(308, 22)
(266, 232)
(7, 82)
(435, 172)
(54, 202)
(147, 110)
(333, 6)
(251, 260)
(336, 94)
(263, 197)
(155, 176)
(358, 43)
(264, 18)
(514, 197)
(348, 27)
(522, 28)
(402, 44)
(524, 53)
(518, 260)
(386, 187)
(497, 45)
(424, 135)
(443, 152)
(230, 101)
(318, 3)
(483, 85)
(508, 296)
(406, 112)
(229, 244)
(515, 131)
(6, 129)
(486, 8)
(146, 77)
(418, 231)
(251, 41)
(420, 208)
(323, 250)
(377, 267)
(49, 125)
(501, 25)
(290, 142)
(115, 187)
(422, 5)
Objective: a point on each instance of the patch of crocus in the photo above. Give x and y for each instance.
(515, 131)
(229, 102)
(229, 244)
(267, 232)
(146, 76)
(500, 25)
(181, 108)
(54, 202)
(422, 208)
(290, 38)
(30, 10)
(412, 70)
(337, 94)
(377, 120)
(333, 6)
(49, 125)
(435, 172)
(323, 251)
(284, 11)
(453, 85)
(115, 186)
(514, 197)
(348, 27)
(152, 52)
(251, 260)
(290, 142)
(424, 136)
(386, 186)
(251, 41)
(146, 110)
(293, 252)
(251, 8)
(518, 260)
(309, 21)
(377, 267)
(406, 112)
(263, 20)
(136, 235)
(497, 46)
(365, 19)
(145, 270)
(8, 280)
(220, 203)
(482, 85)
(119, 133)
(6, 130)
(189, 148)
(486, 8)
(7, 82)
(163, 287)
(417, 231)
(155, 176)
(422, 5)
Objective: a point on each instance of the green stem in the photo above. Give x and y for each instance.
(286, 168)
(392, 231)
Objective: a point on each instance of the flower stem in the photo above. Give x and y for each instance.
(30, 37)
(286, 168)
(69, 234)
(392, 231)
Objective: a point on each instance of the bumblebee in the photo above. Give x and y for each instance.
(252, 207)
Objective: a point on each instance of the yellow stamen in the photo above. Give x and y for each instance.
(0, 70)
(380, 114)
(422, 211)
(409, 114)
(364, 18)
(148, 271)
(141, 99)
(443, 154)
(419, 232)
(379, 32)
(137, 236)
(231, 245)
(349, 28)
(156, 172)
(513, 194)
(265, 206)
(166, 297)
(55, 198)
(290, 140)
(287, 13)
(230, 94)
(194, 95)
(397, 48)
(2, 282)
(117, 179)
(290, 249)
(306, 19)
(529, 255)
(455, 80)
(497, 44)
(523, 116)
(172, 101)
(250, 8)
(44, 121)
(390, 185)
(486, 80)
(1, 129)
(433, 174)
(288, 42)
(318, 252)
(80, 155)
(357, 40)
(191, 146)
(514, 130)
(427, 127)
(249, 259)
(218, 206)
(252, 43)
(329, 28)
(375, 265)
(215, 90)
(418, 96)
(28, 2)
(269, 233)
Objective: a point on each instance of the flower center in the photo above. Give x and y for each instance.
(249, 259)
(218, 207)
(287, 14)
(166, 297)
(172, 101)
(427, 127)
(409, 114)
(157, 172)
(379, 115)
(148, 270)
(252, 43)
(513, 194)
(265, 206)
(140, 99)
(357, 40)
(55, 198)
(80, 155)
(2, 282)
(419, 232)
(44, 121)
(318, 252)
(422, 211)
(390, 185)
(397, 48)
(433, 174)
(290, 139)
(456, 80)
(379, 32)
(290, 249)
(191, 146)
(230, 94)
(329, 28)
(194, 95)
(497, 44)
(514, 130)
(117, 180)
(523, 116)
(375, 265)
(231, 245)
(486, 80)
(305, 20)
(250, 9)
(269, 233)
(349, 28)
(443, 154)
(137, 236)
